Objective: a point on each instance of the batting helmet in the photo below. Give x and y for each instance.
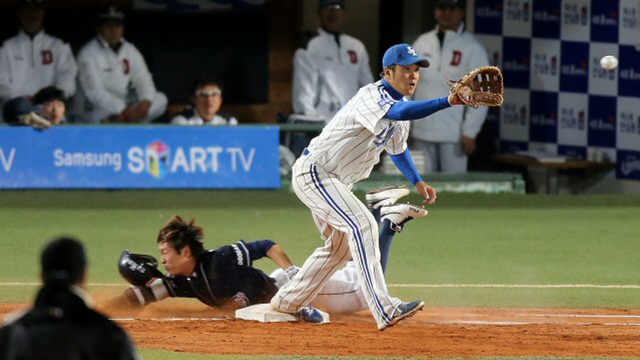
(138, 269)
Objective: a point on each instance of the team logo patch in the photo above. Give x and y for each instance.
(456, 58)
(353, 56)
(47, 57)
(411, 51)
(126, 68)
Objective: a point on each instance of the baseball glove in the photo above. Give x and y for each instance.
(481, 86)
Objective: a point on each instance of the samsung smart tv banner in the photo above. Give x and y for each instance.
(144, 157)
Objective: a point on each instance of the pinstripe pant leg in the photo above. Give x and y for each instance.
(342, 218)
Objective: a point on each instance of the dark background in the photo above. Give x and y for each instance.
(229, 46)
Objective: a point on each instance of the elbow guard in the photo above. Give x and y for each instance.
(154, 291)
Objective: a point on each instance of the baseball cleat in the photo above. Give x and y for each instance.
(385, 196)
(311, 315)
(404, 311)
(401, 214)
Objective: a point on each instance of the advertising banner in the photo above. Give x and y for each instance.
(558, 98)
(139, 157)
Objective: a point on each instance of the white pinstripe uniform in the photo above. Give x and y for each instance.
(343, 154)
(341, 294)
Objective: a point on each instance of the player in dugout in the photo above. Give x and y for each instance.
(225, 277)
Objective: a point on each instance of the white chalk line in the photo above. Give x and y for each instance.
(496, 286)
(528, 286)
(582, 316)
(448, 322)
(507, 323)
(577, 316)
(169, 319)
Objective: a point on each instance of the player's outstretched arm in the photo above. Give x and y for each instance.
(261, 248)
(419, 109)
(405, 164)
(279, 256)
(154, 291)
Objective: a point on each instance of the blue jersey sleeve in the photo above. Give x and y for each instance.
(417, 109)
(405, 164)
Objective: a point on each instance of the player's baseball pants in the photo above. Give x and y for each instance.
(442, 157)
(349, 231)
(341, 294)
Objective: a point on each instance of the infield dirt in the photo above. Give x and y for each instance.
(195, 328)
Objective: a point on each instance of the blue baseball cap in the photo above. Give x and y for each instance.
(403, 54)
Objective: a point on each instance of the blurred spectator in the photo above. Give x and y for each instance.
(328, 70)
(447, 137)
(115, 83)
(48, 105)
(206, 99)
(62, 323)
(332, 67)
(33, 60)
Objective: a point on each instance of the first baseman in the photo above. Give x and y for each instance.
(343, 154)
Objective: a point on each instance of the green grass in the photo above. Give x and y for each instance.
(466, 239)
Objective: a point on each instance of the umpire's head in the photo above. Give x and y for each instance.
(63, 262)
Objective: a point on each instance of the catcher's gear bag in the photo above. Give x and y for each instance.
(138, 269)
(481, 86)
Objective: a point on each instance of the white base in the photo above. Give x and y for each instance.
(265, 313)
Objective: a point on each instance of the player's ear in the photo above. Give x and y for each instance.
(186, 251)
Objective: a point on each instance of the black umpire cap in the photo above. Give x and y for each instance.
(111, 13)
(459, 3)
(63, 262)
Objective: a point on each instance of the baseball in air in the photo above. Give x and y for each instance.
(609, 62)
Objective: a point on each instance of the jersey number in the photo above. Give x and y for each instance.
(384, 136)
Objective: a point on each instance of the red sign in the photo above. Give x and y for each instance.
(47, 57)
(353, 56)
(456, 58)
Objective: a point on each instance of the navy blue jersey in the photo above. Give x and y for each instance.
(222, 273)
